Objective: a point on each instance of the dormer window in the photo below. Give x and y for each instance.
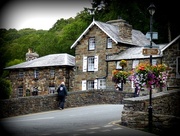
(91, 43)
(109, 43)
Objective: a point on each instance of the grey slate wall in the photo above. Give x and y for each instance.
(34, 104)
(166, 112)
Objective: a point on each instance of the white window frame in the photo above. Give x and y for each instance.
(84, 64)
(178, 67)
(135, 63)
(36, 73)
(90, 85)
(21, 74)
(90, 63)
(52, 72)
(109, 43)
(94, 84)
(83, 85)
(92, 44)
(52, 89)
(102, 83)
(154, 62)
(117, 65)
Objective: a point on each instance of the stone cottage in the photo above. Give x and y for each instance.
(40, 76)
(101, 47)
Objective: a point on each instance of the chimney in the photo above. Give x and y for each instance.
(30, 55)
(125, 30)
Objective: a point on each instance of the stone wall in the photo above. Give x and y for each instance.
(34, 104)
(101, 51)
(166, 112)
(43, 83)
(170, 56)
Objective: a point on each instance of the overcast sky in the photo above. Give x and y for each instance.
(38, 14)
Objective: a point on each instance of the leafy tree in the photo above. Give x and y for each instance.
(6, 89)
(14, 44)
(14, 62)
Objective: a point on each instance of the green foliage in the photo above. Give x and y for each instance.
(14, 62)
(14, 44)
(6, 89)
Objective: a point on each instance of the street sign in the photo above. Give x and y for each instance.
(154, 35)
(150, 51)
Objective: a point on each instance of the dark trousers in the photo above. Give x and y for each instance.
(61, 101)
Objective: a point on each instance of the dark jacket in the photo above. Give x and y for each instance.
(62, 90)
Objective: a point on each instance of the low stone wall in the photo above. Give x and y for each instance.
(166, 112)
(34, 104)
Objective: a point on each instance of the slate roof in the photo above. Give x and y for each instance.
(178, 37)
(138, 38)
(63, 59)
(135, 53)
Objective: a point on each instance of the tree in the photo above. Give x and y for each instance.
(6, 89)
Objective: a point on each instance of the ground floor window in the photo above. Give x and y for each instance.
(20, 91)
(35, 91)
(28, 92)
(90, 85)
(93, 84)
(101, 84)
(51, 89)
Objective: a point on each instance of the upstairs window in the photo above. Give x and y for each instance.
(52, 73)
(91, 44)
(109, 43)
(20, 74)
(90, 63)
(36, 73)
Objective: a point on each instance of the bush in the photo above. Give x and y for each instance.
(5, 88)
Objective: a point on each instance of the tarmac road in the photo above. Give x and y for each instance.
(91, 120)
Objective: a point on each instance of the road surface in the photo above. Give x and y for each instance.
(87, 120)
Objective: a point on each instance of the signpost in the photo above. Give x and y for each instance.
(150, 51)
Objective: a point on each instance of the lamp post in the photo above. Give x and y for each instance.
(151, 10)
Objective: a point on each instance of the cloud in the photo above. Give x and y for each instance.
(38, 14)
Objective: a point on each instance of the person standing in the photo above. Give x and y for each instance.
(62, 93)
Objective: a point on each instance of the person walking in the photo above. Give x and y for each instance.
(62, 93)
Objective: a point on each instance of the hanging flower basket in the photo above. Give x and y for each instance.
(147, 76)
(123, 63)
(119, 75)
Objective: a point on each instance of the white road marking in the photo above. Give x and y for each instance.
(33, 119)
(95, 128)
(108, 125)
(117, 128)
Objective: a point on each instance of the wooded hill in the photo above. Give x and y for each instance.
(14, 43)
